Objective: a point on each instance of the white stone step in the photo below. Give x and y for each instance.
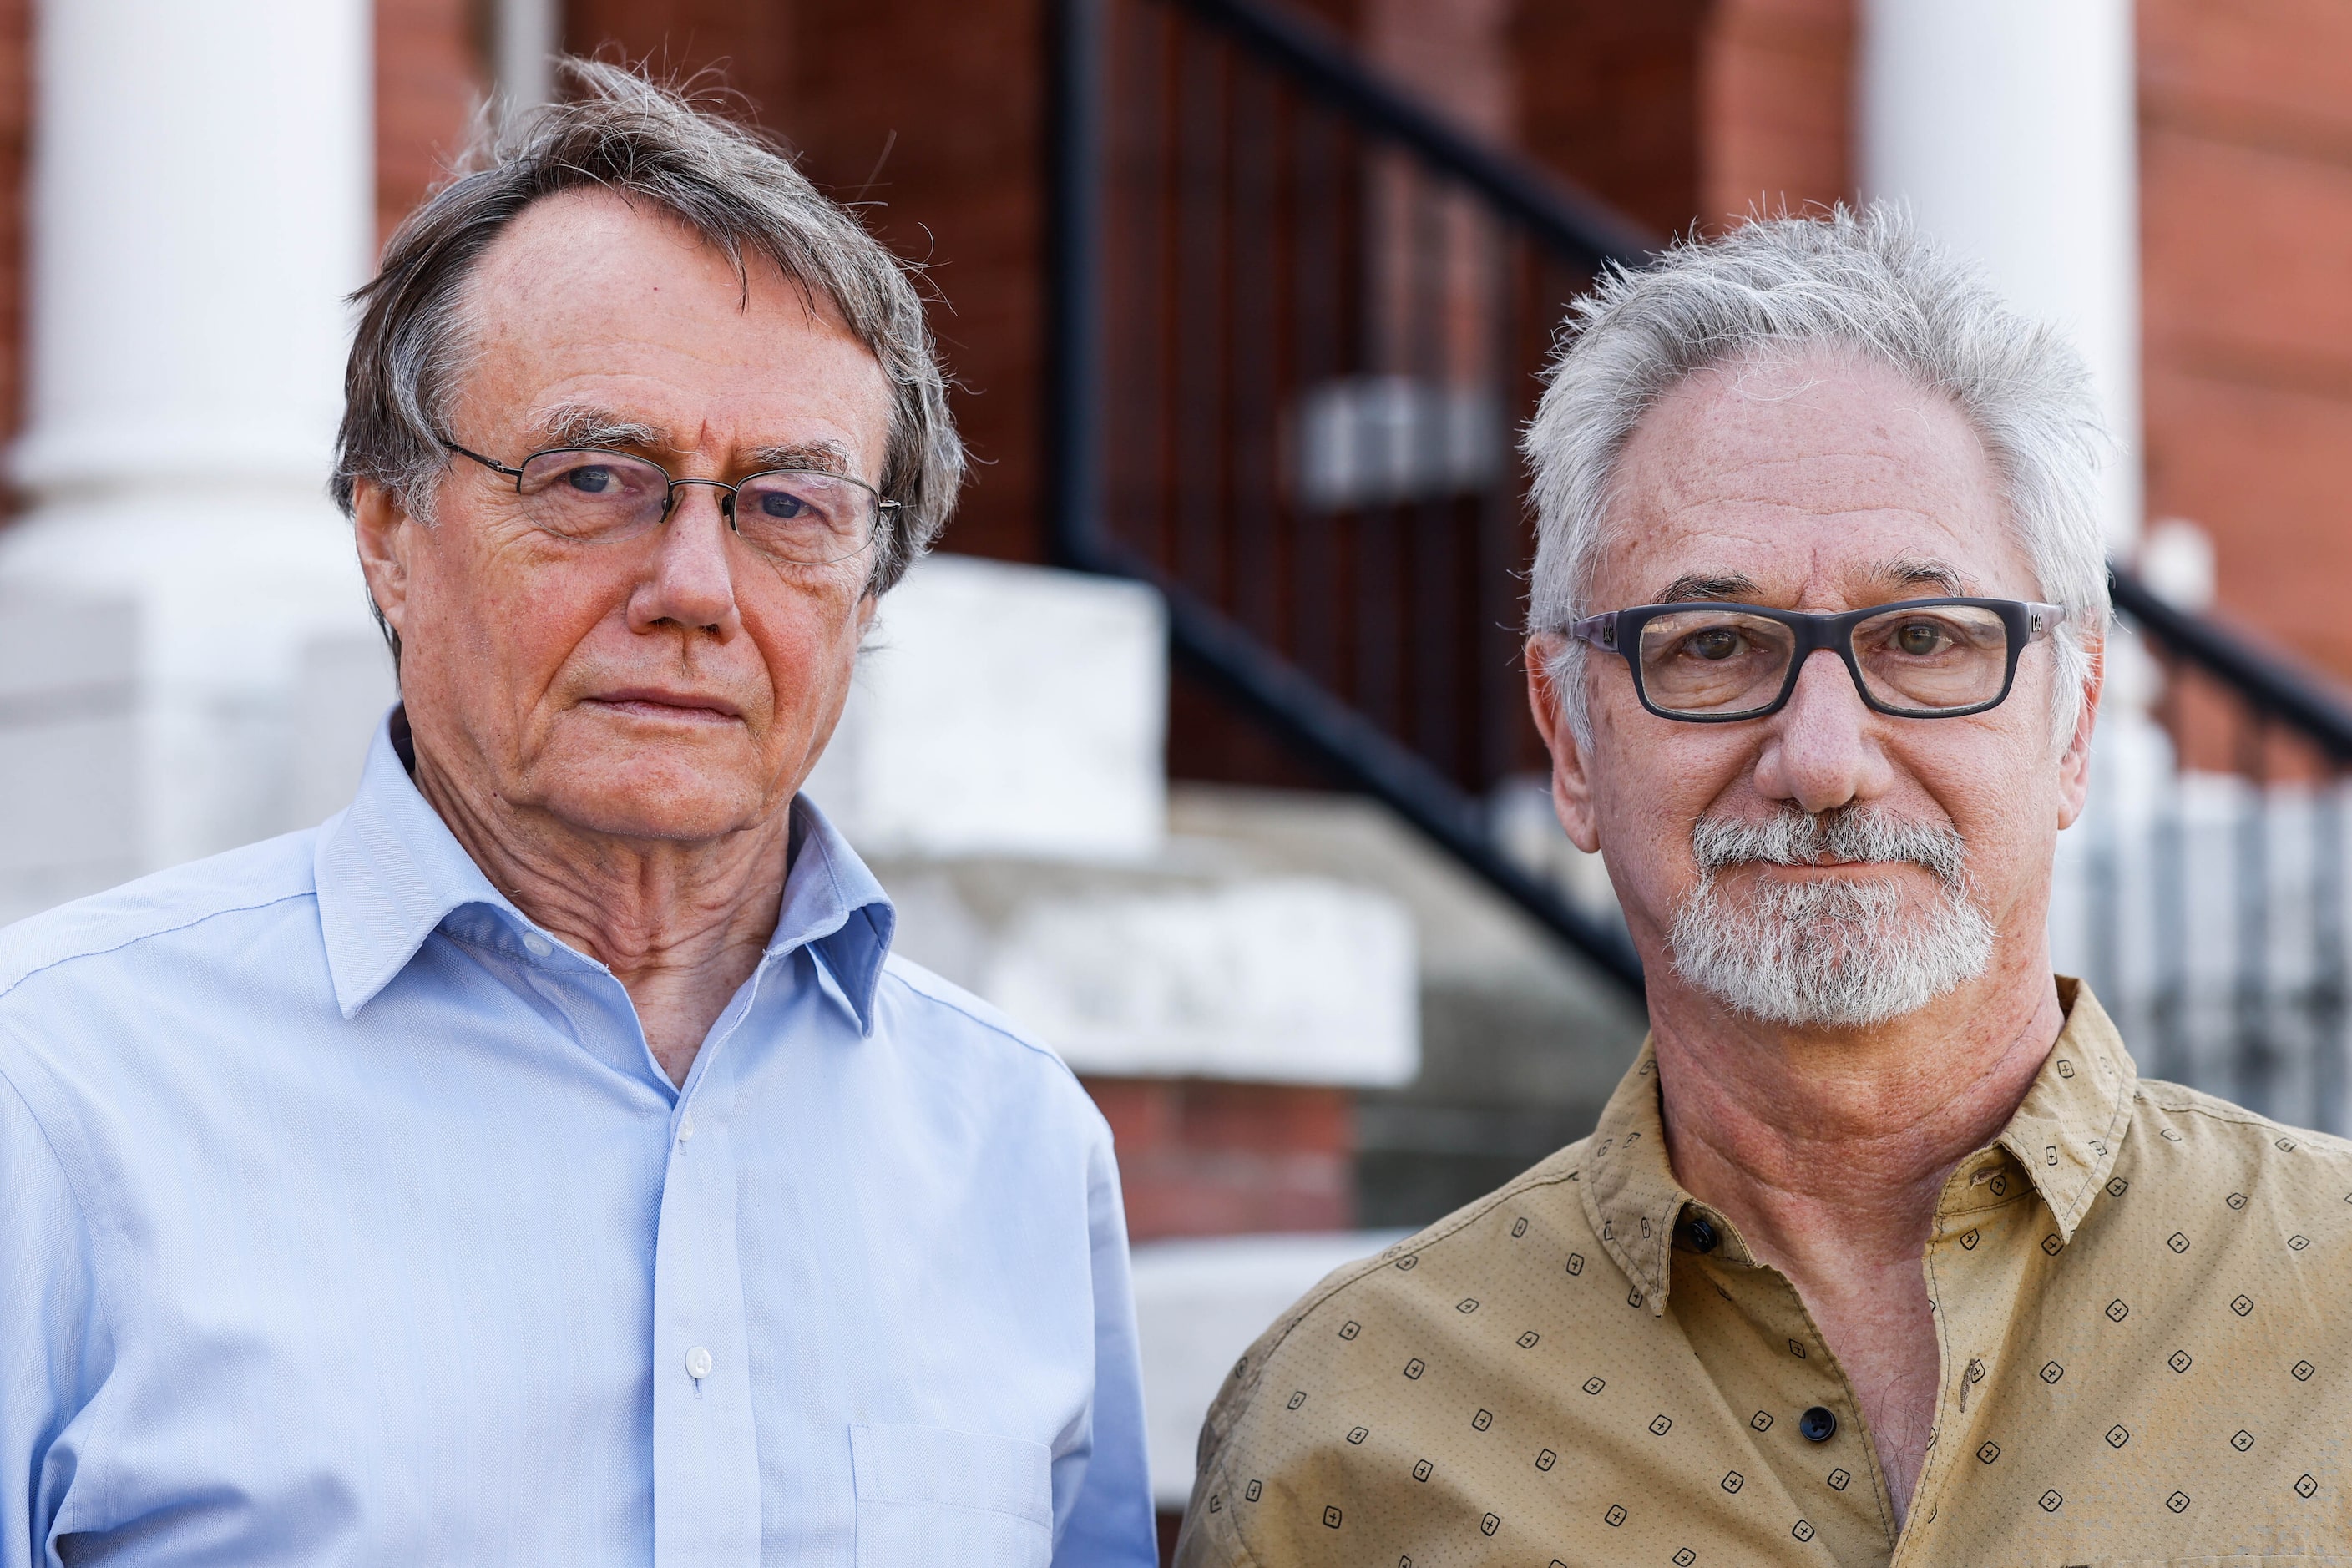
(1171, 970)
(1005, 709)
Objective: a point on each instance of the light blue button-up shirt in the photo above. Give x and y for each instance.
(345, 1217)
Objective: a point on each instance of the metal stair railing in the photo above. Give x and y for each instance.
(1390, 161)
(2215, 908)
(2266, 686)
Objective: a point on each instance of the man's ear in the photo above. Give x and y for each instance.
(385, 535)
(2074, 761)
(1571, 786)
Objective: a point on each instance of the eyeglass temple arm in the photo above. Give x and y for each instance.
(490, 463)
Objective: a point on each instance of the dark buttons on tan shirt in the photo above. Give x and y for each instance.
(1819, 1425)
(1702, 1236)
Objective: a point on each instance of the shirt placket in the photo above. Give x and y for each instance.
(1973, 1279)
(1828, 1466)
(706, 1449)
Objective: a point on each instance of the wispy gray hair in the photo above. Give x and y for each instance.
(614, 130)
(1865, 281)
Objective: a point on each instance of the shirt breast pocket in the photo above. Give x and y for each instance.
(927, 1496)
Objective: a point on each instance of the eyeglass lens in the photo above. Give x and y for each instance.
(808, 517)
(1717, 663)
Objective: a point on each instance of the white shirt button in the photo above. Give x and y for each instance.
(698, 1364)
(686, 1134)
(535, 944)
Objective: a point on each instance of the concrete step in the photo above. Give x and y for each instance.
(1001, 709)
(1521, 1042)
(1001, 764)
(1179, 967)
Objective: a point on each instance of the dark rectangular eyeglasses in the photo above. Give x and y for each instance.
(809, 517)
(1923, 659)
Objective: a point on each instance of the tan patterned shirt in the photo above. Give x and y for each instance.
(2146, 1350)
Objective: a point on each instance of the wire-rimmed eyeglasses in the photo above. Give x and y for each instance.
(1710, 663)
(808, 516)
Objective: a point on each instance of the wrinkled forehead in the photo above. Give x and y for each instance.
(598, 322)
(1816, 478)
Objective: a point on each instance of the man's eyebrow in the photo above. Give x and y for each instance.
(579, 425)
(1693, 586)
(583, 425)
(1919, 573)
(815, 457)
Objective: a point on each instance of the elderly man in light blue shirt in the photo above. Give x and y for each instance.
(545, 1161)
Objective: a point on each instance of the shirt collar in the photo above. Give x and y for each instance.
(1630, 1192)
(834, 906)
(389, 871)
(2069, 1129)
(2066, 1134)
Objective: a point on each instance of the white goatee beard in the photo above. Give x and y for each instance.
(1828, 952)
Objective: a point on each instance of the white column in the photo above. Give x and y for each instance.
(201, 202)
(528, 35)
(2009, 126)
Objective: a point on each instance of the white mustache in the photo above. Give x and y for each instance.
(1847, 834)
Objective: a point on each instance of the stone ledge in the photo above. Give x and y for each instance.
(1004, 710)
(1170, 972)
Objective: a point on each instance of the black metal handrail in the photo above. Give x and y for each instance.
(2264, 681)
(1578, 227)
(1309, 718)
(2214, 911)
(1334, 735)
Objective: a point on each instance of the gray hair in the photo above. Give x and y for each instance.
(616, 130)
(1868, 282)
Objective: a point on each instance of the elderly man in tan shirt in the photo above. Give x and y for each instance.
(1883, 1252)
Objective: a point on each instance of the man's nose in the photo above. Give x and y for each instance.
(1819, 753)
(691, 580)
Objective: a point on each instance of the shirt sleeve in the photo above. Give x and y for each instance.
(1210, 1536)
(56, 1350)
(1109, 1519)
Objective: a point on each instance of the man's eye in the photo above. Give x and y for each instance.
(1920, 639)
(1715, 643)
(784, 504)
(594, 481)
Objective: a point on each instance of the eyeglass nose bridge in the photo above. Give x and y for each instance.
(1838, 646)
(726, 499)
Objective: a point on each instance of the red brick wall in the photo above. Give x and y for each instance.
(2246, 226)
(1609, 97)
(15, 124)
(429, 78)
(1455, 53)
(1198, 1158)
(931, 110)
(1684, 110)
(1775, 100)
(746, 44)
